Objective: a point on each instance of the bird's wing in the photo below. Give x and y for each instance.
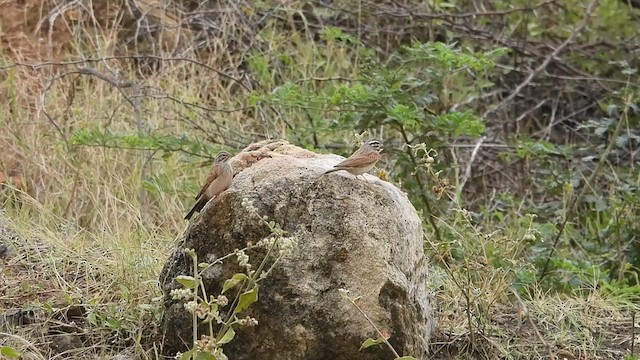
(221, 182)
(213, 174)
(358, 160)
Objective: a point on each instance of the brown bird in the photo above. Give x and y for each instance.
(217, 181)
(361, 161)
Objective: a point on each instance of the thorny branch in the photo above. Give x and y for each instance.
(547, 61)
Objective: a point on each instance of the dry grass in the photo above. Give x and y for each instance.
(89, 236)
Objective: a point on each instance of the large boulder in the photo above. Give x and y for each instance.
(362, 236)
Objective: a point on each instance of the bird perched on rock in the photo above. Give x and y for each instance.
(361, 161)
(217, 181)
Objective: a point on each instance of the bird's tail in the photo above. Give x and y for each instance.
(197, 207)
(330, 171)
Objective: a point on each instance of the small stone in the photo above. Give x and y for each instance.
(65, 342)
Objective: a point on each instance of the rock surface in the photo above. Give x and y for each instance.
(364, 237)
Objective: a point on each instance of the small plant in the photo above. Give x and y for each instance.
(208, 309)
(9, 352)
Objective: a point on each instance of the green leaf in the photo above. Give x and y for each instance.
(204, 355)
(113, 323)
(48, 307)
(148, 185)
(187, 281)
(336, 34)
(370, 342)
(9, 352)
(405, 358)
(246, 299)
(235, 280)
(447, 5)
(227, 337)
(167, 143)
(213, 313)
(188, 355)
(145, 307)
(93, 319)
(462, 123)
(404, 114)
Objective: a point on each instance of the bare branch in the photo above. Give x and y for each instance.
(467, 172)
(113, 82)
(129, 57)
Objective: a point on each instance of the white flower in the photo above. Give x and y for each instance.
(180, 294)
(222, 300)
(243, 259)
(191, 306)
(287, 244)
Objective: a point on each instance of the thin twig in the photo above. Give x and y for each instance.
(352, 301)
(113, 82)
(129, 57)
(633, 332)
(524, 114)
(321, 79)
(474, 154)
(43, 104)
